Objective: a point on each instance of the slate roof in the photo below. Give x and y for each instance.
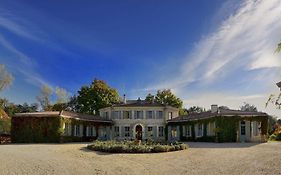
(140, 103)
(65, 114)
(220, 112)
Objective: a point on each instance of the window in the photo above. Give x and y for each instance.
(116, 131)
(105, 115)
(102, 132)
(200, 130)
(149, 114)
(188, 130)
(150, 131)
(77, 130)
(116, 114)
(159, 114)
(67, 129)
(127, 131)
(243, 128)
(138, 115)
(174, 132)
(91, 131)
(160, 131)
(170, 114)
(211, 129)
(126, 114)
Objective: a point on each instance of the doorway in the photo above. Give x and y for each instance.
(139, 132)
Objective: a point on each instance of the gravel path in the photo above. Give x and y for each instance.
(201, 158)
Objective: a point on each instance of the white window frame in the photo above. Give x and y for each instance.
(161, 134)
(117, 134)
(148, 114)
(129, 116)
(127, 133)
(188, 131)
(149, 133)
(202, 130)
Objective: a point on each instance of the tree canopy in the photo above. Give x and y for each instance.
(44, 98)
(248, 107)
(165, 97)
(6, 78)
(96, 96)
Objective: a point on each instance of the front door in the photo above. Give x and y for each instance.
(139, 132)
(242, 131)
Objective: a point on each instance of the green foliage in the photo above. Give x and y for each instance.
(275, 137)
(135, 147)
(249, 108)
(5, 126)
(44, 98)
(165, 97)
(11, 108)
(278, 49)
(193, 109)
(62, 95)
(36, 130)
(6, 78)
(96, 96)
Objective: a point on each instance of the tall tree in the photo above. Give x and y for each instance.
(167, 97)
(248, 107)
(96, 96)
(6, 78)
(44, 98)
(62, 95)
(149, 98)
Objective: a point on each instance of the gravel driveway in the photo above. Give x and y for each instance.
(201, 158)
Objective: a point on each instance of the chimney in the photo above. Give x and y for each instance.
(214, 108)
(124, 99)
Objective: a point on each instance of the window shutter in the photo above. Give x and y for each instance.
(146, 132)
(94, 131)
(178, 132)
(184, 130)
(122, 131)
(81, 130)
(155, 132)
(135, 114)
(87, 131)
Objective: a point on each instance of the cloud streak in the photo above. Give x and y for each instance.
(245, 40)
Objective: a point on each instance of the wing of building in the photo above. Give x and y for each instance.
(141, 120)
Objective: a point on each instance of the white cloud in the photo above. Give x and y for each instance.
(245, 40)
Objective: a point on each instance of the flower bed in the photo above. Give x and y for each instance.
(135, 147)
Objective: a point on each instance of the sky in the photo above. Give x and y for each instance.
(206, 52)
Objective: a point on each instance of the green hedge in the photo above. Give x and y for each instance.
(133, 147)
(275, 137)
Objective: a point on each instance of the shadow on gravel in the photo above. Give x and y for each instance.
(220, 145)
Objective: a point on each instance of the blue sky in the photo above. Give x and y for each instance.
(207, 52)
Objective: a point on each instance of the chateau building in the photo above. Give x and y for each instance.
(141, 120)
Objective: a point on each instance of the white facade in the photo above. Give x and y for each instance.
(138, 122)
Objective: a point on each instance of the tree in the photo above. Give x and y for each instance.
(44, 98)
(96, 96)
(278, 49)
(62, 95)
(249, 108)
(168, 98)
(149, 98)
(6, 78)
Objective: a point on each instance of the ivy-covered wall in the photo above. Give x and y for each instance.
(36, 129)
(225, 131)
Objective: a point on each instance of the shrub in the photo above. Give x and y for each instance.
(278, 137)
(132, 147)
(272, 137)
